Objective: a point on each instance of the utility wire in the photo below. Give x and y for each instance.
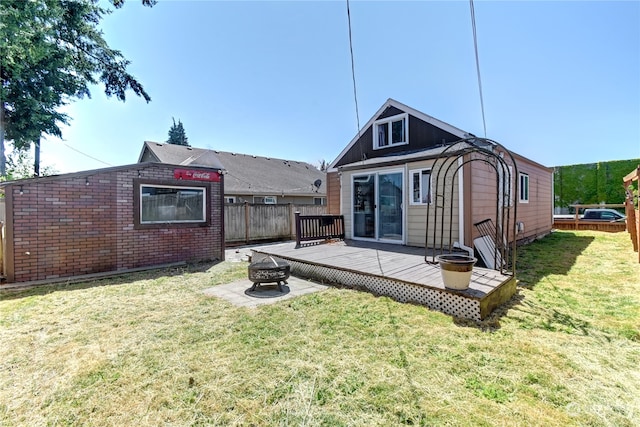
(85, 154)
(353, 69)
(475, 46)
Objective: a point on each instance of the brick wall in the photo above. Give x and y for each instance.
(62, 226)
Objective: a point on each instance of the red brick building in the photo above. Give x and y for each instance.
(112, 219)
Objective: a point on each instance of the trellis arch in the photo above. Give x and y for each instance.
(447, 166)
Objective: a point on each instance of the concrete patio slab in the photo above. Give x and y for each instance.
(239, 293)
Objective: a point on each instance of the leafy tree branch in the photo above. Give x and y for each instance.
(50, 52)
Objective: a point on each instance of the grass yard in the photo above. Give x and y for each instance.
(150, 349)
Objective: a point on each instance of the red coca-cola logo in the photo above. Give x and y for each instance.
(196, 175)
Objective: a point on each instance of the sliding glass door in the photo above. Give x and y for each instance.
(364, 203)
(390, 206)
(377, 206)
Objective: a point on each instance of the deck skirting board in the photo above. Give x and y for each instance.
(447, 302)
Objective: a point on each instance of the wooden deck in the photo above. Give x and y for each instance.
(396, 271)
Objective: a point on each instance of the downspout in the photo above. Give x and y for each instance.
(461, 216)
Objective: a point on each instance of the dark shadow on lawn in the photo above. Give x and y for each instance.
(116, 279)
(555, 254)
(492, 322)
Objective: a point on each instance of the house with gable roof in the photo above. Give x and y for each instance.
(384, 183)
(248, 178)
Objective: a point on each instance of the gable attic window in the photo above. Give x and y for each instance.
(390, 131)
(180, 205)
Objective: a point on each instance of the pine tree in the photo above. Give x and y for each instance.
(177, 135)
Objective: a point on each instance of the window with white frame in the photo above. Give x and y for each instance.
(318, 201)
(230, 199)
(164, 203)
(420, 182)
(390, 131)
(524, 188)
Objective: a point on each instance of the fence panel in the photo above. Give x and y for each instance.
(269, 222)
(310, 209)
(246, 223)
(235, 224)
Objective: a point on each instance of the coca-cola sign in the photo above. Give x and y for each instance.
(196, 175)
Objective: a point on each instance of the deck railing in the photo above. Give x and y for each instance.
(318, 227)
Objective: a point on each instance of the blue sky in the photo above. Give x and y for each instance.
(561, 80)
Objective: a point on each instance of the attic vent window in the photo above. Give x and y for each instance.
(390, 131)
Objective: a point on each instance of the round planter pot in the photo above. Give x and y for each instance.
(456, 270)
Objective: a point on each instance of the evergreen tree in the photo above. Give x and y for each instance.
(177, 135)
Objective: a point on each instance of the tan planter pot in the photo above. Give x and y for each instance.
(456, 270)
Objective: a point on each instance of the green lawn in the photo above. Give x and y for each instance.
(150, 349)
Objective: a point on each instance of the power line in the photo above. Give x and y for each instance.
(85, 154)
(475, 46)
(353, 68)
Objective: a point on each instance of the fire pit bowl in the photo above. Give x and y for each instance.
(268, 270)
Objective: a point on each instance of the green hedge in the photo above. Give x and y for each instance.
(591, 183)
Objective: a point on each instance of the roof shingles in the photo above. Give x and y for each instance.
(245, 174)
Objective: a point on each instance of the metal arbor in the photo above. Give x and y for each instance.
(499, 236)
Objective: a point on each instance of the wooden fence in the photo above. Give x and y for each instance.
(576, 223)
(569, 224)
(631, 184)
(246, 223)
